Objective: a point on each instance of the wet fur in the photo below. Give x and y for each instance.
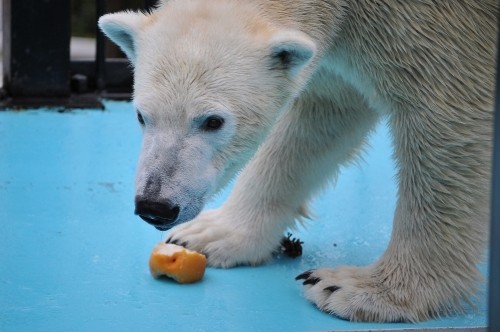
(428, 66)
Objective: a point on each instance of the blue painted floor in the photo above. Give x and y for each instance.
(73, 257)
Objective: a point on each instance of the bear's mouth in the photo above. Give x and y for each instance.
(160, 224)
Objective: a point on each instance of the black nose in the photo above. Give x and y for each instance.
(162, 214)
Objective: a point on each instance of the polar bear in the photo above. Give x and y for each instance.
(287, 91)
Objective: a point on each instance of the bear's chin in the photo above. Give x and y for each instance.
(166, 227)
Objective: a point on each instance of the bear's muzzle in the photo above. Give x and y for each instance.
(161, 215)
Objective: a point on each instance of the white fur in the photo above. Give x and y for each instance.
(292, 118)
(123, 29)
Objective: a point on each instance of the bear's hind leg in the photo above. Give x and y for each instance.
(440, 226)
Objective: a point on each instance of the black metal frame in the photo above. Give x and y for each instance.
(494, 279)
(38, 70)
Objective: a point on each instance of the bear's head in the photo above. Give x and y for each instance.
(210, 79)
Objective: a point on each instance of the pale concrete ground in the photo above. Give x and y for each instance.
(82, 48)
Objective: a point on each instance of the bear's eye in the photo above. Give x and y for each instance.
(212, 123)
(140, 118)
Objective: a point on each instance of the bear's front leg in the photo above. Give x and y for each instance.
(226, 238)
(248, 227)
(303, 151)
(439, 232)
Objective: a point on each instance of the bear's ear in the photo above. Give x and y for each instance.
(122, 29)
(291, 51)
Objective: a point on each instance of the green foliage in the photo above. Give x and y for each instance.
(83, 18)
(83, 14)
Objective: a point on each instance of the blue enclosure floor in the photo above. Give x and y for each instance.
(73, 257)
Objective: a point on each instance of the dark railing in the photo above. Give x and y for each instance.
(37, 68)
(494, 279)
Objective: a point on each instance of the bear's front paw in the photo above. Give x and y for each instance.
(355, 294)
(225, 242)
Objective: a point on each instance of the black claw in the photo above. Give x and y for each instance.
(304, 275)
(168, 240)
(172, 241)
(311, 281)
(177, 242)
(331, 288)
